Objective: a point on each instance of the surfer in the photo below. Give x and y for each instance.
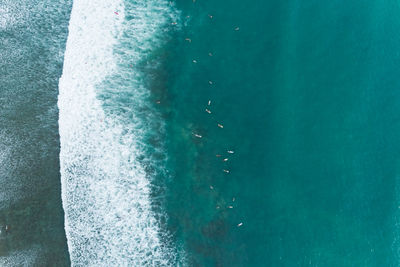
(197, 135)
(208, 111)
(226, 171)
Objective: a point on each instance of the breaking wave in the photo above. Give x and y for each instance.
(110, 218)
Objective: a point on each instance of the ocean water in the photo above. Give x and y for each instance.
(200, 133)
(111, 145)
(308, 94)
(32, 42)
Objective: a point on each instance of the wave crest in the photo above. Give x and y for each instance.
(105, 190)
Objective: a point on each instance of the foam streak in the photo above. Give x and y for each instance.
(105, 192)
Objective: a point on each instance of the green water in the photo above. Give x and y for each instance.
(308, 94)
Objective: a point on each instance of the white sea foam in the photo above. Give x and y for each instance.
(12, 190)
(109, 219)
(25, 257)
(9, 15)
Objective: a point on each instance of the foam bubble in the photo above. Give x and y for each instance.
(7, 19)
(21, 257)
(109, 219)
(5, 155)
(12, 190)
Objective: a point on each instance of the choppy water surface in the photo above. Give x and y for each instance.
(32, 37)
(200, 133)
(111, 135)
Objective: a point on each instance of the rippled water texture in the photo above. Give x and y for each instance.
(33, 36)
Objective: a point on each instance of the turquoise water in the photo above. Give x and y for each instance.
(308, 97)
(306, 93)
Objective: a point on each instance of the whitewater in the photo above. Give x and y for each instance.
(110, 218)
